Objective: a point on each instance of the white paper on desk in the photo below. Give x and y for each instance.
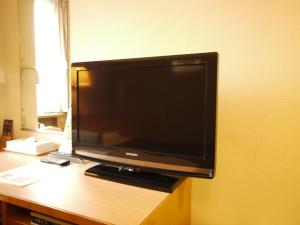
(28, 174)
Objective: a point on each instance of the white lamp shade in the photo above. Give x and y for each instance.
(2, 76)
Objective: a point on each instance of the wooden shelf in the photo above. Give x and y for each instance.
(53, 119)
(17, 215)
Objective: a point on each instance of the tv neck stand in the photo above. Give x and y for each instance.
(133, 176)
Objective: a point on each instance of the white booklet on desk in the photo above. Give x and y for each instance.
(28, 174)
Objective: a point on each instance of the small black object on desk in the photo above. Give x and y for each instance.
(56, 161)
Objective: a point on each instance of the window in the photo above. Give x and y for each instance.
(50, 28)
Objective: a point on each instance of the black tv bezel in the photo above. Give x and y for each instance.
(211, 60)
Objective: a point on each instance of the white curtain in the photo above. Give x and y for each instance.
(51, 50)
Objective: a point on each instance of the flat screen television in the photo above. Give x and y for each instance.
(154, 114)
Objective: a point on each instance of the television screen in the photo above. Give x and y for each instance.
(155, 113)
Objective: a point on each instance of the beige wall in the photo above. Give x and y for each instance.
(258, 139)
(9, 15)
(26, 33)
(2, 102)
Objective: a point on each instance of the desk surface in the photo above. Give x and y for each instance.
(85, 198)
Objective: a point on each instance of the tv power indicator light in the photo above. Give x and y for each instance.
(131, 154)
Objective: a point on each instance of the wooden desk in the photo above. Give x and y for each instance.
(74, 197)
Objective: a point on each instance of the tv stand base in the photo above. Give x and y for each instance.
(135, 177)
